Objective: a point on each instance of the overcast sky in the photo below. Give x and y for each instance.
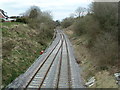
(59, 8)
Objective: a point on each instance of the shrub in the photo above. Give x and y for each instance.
(22, 19)
(87, 25)
(105, 50)
(101, 28)
(67, 22)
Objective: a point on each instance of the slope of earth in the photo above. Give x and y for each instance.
(103, 78)
(21, 45)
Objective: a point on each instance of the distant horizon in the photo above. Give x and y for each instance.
(60, 9)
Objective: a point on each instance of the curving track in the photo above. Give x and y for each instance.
(58, 69)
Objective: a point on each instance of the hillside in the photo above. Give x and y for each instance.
(104, 78)
(95, 40)
(21, 46)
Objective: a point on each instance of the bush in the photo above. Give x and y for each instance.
(101, 28)
(106, 13)
(67, 22)
(22, 19)
(41, 21)
(23, 44)
(2, 20)
(87, 25)
(105, 50)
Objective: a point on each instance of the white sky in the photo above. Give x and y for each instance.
(59, 8)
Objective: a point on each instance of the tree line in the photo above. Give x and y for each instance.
(100, 24)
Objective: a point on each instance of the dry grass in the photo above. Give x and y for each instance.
(95, 38)
(105, 51)
(88, 63)
(104, 80)
(21, 46)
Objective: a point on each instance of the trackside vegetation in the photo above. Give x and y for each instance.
(95, 36)
(23, 40)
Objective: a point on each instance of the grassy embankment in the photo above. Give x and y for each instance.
(89, 66)
(95, 41)
(21, 45)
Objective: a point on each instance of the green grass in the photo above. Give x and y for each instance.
(21, 46)
(10, 23)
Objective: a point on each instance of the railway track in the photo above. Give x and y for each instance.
(61, 79)
(58, 69)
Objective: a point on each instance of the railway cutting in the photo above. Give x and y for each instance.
(55, 68)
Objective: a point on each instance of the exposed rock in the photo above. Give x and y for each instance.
(117, 76)
(90, 82)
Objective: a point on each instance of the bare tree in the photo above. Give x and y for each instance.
(47, 14)
(80, 11)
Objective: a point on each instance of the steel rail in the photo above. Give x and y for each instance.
(50, 65)
(68, 64)
(59, 70)
(68, 60)
(42, 64)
